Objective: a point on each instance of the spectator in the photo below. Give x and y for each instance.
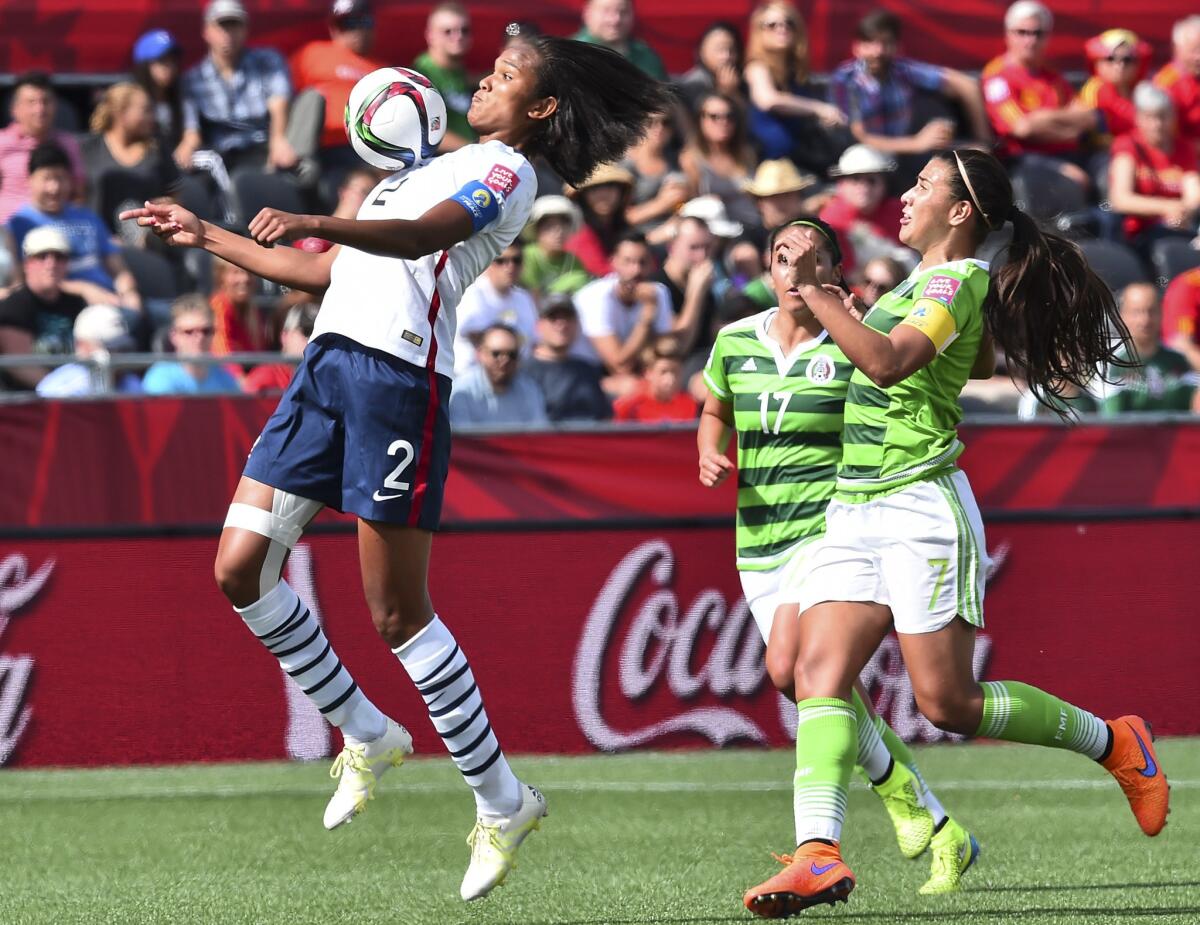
(496, 391)
(352, 193)
(495, 298)
(876, 92)
(777, 190)
(39, 316)
(788, 115)
(236, 318)
(718, 67)
(879, 275)
(99, 330)
(1153, 179)
(97, 270)
(570, 384)
(622, 312)
(1181, 316)
(447, 40)
(659, 187)
(1159, 379)
(192, 331)
(1071, 401)
(125, 165)
(332, 67)
(235, 101)
(661, 396)
(610, 22)
(1119, 59)
(293, 338)
(1181, 77)
(603, 198)
(689, 275)
(156, 57)
(866, 218)
(718, 160)
(33, 105)
(548, 266)
(1027, 101)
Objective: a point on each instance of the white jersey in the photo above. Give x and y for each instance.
(408, 308)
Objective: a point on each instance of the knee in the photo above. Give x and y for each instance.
(818, 676)
(237, 578)
(398, 621)
(950, 709)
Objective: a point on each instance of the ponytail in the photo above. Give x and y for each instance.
(1053, 317)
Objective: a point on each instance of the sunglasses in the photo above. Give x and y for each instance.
(503, 354)
(718, 116)
(206, 331)
(456, 30)
(1122, 60)
(779, 24)
(505, 261)
(877, 284)
(1029, 33)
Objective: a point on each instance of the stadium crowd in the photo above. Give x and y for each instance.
(607, 306)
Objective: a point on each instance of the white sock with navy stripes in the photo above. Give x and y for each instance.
(443, 678)
(290, 632)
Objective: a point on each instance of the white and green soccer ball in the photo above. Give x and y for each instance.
(395, 118)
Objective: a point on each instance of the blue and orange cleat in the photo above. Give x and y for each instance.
(1135, 766)
(815, 874)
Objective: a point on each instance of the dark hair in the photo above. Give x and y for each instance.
(739, 144)
(823, 227)
(663, 347)
(1046, 308)
(630, 237)
(604, 103)
(173, 97)
(877, 25)
(38, 79)
(723, 25)
(499, 326)
(48, 154)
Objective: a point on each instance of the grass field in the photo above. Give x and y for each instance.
(668, 838)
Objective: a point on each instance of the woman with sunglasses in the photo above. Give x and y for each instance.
(719, 160)
(1119, 60)
(363, 427)
(903, 547)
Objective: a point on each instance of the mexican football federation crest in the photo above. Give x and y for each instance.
(820, 370)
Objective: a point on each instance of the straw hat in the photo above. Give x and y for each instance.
(779, 176)
(606, 173)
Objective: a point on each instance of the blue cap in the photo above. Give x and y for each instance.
(153, 45)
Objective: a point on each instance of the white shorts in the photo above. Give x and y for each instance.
(766, 590)
(919, 551)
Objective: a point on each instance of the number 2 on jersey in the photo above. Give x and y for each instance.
(388, 190)
(392, 481)
(764, 405)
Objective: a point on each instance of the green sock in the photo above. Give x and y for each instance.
(1017, 712)
(826, 742)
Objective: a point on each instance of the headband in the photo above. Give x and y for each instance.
(962, 172)
(824, 232)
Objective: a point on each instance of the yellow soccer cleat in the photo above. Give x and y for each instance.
(954, 850)
(911, 819)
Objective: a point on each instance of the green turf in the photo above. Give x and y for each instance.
(671, 838)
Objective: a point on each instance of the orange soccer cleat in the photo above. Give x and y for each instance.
(1135, 766)
(814, 874)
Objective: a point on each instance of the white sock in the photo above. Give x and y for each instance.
(444, 680)
(290, 632)
(873, 756)
(931, 802)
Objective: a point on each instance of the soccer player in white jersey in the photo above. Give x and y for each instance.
(363, 426)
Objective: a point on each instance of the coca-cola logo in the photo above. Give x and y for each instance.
(637, 616)
(18, 587)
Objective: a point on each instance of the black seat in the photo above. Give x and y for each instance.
(1045, 193)
(257, 191)
(1114, 263)
(1173, 256)
(157, 283)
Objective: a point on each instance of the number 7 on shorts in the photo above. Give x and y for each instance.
(940, 566)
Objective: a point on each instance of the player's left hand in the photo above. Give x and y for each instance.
(714, 469)
(272, 226)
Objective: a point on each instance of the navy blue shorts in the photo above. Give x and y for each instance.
(361, 431)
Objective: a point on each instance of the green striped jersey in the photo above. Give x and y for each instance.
(787, 412)
(908, 432)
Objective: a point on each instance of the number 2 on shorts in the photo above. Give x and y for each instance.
(406, 451)
(940, 566)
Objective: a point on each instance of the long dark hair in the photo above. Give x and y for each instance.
(1055, 319)
(604, 103)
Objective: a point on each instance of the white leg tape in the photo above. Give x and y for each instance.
(265, 523)
(282, 525)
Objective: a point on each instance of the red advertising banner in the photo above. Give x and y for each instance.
(66, 36)
(172, 462)
(117, 651)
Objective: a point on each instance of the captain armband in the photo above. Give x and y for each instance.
(934, 320)
(481, 204)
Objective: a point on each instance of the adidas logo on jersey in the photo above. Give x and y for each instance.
(749, 366)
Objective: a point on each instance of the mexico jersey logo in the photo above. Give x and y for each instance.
(820, 370)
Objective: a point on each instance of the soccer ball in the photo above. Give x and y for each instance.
(395, 118)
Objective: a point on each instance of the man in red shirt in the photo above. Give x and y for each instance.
(1028, 103)
(1181, 316)
(864, 215)
(332, 68)
(1181, 77)
(661, 396)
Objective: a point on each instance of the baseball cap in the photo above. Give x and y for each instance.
(857, 160)
(711, 211)
(218, 10)
(44, 240)
(103, 324)
(153, 45)
(546, 206)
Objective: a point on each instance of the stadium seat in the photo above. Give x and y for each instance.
(1173, 256)
(157, 282)
(995, 247)
(1045, 193)
(1114, 263)
(257, 191)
